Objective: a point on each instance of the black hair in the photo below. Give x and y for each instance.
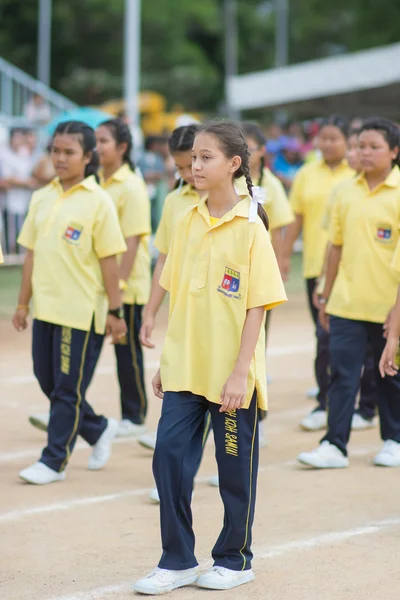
(87, 140)
(15, 130)
(253, 130)
(122, 135)
(181, 140)
(153, 139)
(340, 121)
(388, 129)
(354, 131)
(232, 142)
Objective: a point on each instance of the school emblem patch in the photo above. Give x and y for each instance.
(231, 280)
(384, 233)
(73, 233)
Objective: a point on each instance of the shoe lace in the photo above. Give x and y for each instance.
(220, 570)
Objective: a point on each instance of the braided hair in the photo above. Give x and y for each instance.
(253, 130)
(388, 129)
(181, 140)
(122, 135)
(87, 140)
(232, 142)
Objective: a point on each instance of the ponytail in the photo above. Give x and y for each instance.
(253, 130)
(122, 135)
(87, 140)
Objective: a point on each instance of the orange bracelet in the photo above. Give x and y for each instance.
(23, 307)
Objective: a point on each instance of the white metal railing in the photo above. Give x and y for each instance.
(17, 88)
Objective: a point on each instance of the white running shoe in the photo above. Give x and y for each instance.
(161, 581)
(148, 440)
(389, 456)
(312, 393)
(262, 438)
(358, 423)
(40, 421)
(154, 496)
(316, 420)
(220, 578)
(102, 449)
(214, 481)
(128, 429)
(41, 474)
(326, 456)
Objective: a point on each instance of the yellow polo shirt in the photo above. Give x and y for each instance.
(132, 202)
(214, 275)
(311, 189)
(68, 233)
(1, 256)
(175, 204)
(276, 204)
(366, 224)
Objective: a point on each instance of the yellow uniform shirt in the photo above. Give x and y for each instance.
(214, 275)
(132, 202)
(1, 256)
(175, 204)
(311, 189)
(366, 224)
(69, 232)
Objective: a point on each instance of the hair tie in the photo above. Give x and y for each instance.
(259, 197)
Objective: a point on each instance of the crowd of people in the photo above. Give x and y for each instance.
(224, 242)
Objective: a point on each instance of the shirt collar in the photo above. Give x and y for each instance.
(89, 183)
(119, 175)
(342, 165)
(187, 190)
(241, 209)
(392, 180)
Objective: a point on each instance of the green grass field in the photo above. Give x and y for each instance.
(10, 278)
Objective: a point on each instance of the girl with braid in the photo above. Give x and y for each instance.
(222, 276)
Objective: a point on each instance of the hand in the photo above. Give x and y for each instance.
(233, 393)
(157, 385)
(387, 323)
(315, 297)
(285, 267)
(387, 365)
(323, 317)
(146, 330)
(116, 328)
(20, 319)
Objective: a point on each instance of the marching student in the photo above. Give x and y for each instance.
(311, 189)
(222, 275)
(129, 192)
(72, 237)
(359, 291)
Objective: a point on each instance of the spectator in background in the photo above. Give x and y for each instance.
(37, 111)
(288, 161)
(17, 168)
(43, 170)
(153, 168)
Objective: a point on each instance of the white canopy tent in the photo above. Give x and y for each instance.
(362, 83)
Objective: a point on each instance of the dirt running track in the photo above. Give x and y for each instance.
(317, 535)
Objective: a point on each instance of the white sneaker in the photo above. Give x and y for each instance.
(389, 456)
(41, 474)
(40, 421)
(312, 393)
(154, 496)
(102, 449)
(262, 438)
(148, 440)
(128, 429)
(214, 481)
(220, 578)
(315, 421)
(161, 581)
(358, 423)
(326, 456)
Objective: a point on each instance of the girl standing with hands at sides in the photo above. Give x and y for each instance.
(72, 237)
(310, 192)
(362, 279)
(222, 275)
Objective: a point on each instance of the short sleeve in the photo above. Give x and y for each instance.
(27, 236)
(335, 226)
(296, 194)
(279, 211)
(162, 240)
(265, 282)
(108, 239)
(134, 213)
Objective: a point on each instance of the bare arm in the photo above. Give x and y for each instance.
(114, 326)
(20, 318)
(156, 297)
(277, 242)
(334, 256)
(292, 233)
(128, 259)
(387, 364)
(234, 391)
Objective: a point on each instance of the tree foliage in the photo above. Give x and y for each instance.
(183, 42)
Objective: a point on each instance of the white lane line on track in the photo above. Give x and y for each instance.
(154, 364)
(16, 515)
(327, 539)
